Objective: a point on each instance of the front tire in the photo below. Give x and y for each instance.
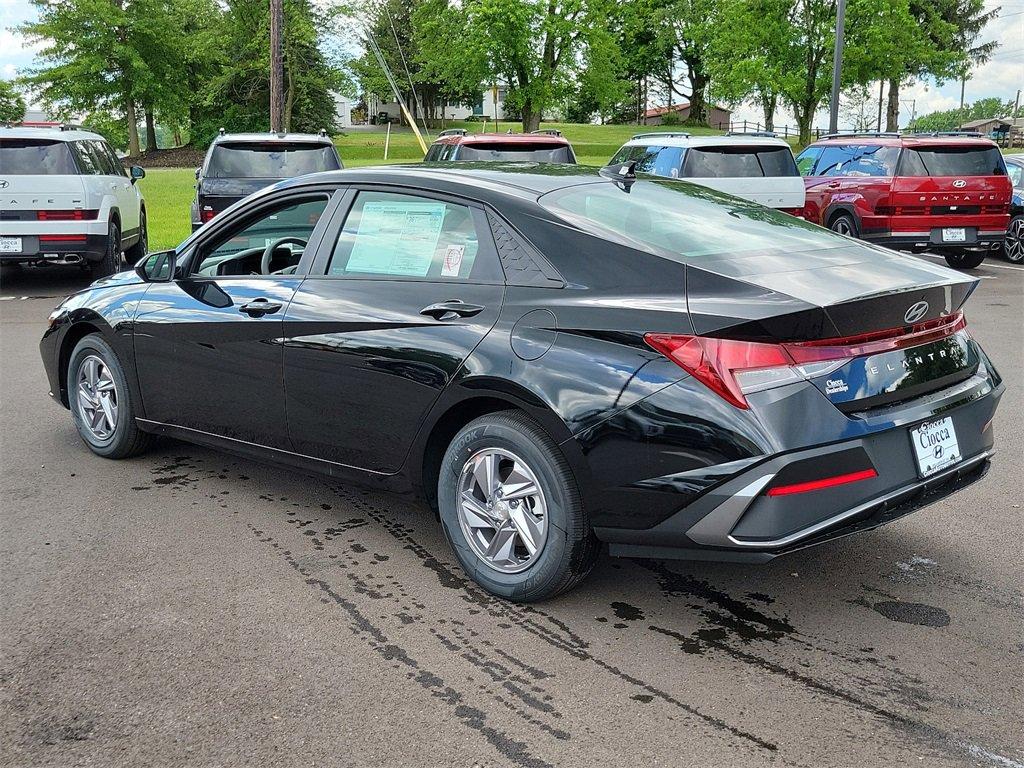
(511, 510)
(111, 261)
(1013, 246)
(965, 260)
(101, 402)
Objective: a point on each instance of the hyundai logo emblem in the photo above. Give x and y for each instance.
(916, 312)
(4, 183)
(959, 184)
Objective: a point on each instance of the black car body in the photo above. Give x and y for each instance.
(238, 164)
(701, 368)
(1013, 246)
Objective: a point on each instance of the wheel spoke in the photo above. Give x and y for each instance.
(85, 394)
(104, 383)
(527, 527)
(501, 546)
(91, 372)
(108, 411)
(476, 514)
(486, 473)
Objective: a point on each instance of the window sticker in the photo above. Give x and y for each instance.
(453, 261)
(396, 238)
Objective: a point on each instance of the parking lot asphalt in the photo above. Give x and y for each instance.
(193, 608)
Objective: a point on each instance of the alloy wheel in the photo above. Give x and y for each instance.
(842, 226)
(97, 398)
(1014, 243)
(502, 510)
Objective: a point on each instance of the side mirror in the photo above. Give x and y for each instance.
(137, 172)
(198, 171)
(157, 267)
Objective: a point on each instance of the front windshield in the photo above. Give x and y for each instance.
(269, 160)
(683, 221)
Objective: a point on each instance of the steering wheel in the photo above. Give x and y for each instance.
(268, 252)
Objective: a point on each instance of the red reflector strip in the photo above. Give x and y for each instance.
(825, 482)
(78, 214)
(61, 238)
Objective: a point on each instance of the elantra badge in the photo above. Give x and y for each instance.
(916, 312)
(959, 184)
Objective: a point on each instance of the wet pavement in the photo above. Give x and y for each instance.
(189, 607)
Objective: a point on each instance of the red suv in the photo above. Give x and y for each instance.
(539, 147)
(945, 194)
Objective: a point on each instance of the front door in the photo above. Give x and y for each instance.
(383, 322)
(208, 346)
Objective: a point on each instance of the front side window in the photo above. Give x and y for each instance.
(406, 236)
(36, 157)
(952, 161)
(686, 223)
(269, 160)
(858, 160)
(270, 243)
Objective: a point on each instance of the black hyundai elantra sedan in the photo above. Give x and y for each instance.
(553, 356)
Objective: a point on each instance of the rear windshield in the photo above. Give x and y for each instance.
(36, 157)
(952, 161)
(731, 162)
(519, 151)
(685, 222)
(270, 160)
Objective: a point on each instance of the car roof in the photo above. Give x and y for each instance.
(503, 138)
(670, 139)
(909, 140)
(54, 134)
(271, 138)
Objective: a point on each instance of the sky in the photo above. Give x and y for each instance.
(1000, 77)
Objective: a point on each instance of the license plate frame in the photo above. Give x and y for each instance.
(936, 446)
(954, 234)
(11, 245)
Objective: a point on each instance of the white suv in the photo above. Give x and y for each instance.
(65, 198)
(759, 168)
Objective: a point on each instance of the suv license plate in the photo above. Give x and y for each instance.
(10, 245)
(954, 235)
(935, 446)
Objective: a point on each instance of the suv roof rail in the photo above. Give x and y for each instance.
(971, 133)
(322, 132)
(862, 135)
(755, 134)
(548, 132)
(453, 132)
(71, 127)
(221, 131)
(662, 134)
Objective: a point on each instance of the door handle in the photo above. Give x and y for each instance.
(447, 310)
(259, 308)
(833, 185)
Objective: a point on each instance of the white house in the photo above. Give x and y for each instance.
(342, 109)
(490, 104)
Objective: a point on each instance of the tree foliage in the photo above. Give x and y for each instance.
(951, 119)
(12, 103)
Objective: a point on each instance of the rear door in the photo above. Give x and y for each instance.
(764, 174)
(384, 322)
(208, 346)
(856, 178)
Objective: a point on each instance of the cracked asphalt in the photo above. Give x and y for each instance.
(191, 608)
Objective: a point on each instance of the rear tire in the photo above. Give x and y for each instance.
(551, 517)
(101, 402)
(111, 261)
(845, 224)
(138, 251)
(1013, 246)
(965, 260)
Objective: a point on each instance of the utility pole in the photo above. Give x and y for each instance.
(963, 85)
(837, 67)
(276, 67)
(881, 90)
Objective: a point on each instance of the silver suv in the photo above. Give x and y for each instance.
(65, 198)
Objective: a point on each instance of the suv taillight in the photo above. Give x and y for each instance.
(206, 214)
(732, 368)
(78, 214)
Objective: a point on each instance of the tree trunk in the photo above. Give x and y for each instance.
(892, 108)
(133, 127)
(531, 117)
(804, 115)
(289, 103)
(769, 102)
(150, 131)
(698, 104)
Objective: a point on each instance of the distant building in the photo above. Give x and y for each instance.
(718, 117)
(342, 109)
(986, 125)
(489, 104)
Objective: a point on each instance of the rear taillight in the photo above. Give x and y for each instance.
(825, 482)
(207, 213)
(78, 214)
(732, 368)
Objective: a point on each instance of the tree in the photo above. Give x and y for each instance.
(690, 26)
(951, 119)
(12, 105)
(537, 47)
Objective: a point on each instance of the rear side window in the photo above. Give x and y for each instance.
(857, 160)
(731, 162)
(36, 157)
(269, 160)
(952, 161)
(388, 235)
(516, 152)
(656, 160)
(1015, 172)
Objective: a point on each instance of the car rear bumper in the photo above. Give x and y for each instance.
(975, 239)
(70, 248)
(724, 512)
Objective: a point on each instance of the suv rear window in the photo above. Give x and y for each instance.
(516, 152)
(731, 162)
(952, 161)
(270, 160)
(36, 157)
